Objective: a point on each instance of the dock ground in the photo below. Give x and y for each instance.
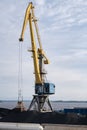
(63, 127)
(33, 126)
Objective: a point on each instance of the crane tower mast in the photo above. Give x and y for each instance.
(42, 88)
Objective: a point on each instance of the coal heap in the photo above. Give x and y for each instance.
(17, 116)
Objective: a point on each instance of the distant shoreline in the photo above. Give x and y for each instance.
(51, 101)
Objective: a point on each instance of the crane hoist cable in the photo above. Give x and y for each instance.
(20, 104)
(20, 76)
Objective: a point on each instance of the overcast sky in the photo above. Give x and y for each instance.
(63, 30)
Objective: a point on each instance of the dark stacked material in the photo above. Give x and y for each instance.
(16, 115)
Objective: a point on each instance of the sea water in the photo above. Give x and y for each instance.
(56, 105)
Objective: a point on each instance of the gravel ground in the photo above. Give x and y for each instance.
(63, 127)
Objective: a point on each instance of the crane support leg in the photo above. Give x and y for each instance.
(40, 103)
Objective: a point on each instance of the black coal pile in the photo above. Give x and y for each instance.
(4, 112)
(17, 116)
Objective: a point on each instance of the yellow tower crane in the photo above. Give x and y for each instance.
(42, 88)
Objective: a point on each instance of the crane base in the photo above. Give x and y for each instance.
(40, 103)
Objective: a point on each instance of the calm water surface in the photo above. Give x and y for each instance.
(57, 105)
